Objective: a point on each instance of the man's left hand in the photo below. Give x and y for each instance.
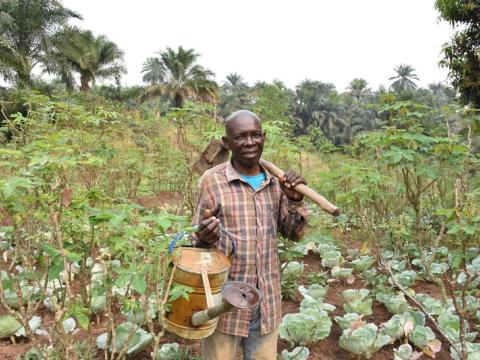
(289, 181)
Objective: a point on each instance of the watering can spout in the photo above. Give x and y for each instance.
(201, 317)
(236, 294)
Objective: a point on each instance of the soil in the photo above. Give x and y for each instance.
(163, 199)
(328, 349)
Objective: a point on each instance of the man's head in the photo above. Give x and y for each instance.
(244, 137)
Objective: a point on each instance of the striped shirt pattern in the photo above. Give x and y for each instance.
(251, 220)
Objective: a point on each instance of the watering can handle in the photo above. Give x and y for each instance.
(177, 237)
(206, 286)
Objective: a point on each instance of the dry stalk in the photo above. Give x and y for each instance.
(387, 267)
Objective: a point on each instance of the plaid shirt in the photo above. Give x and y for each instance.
(251, 220)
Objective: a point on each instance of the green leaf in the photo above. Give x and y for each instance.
(454, 229)
(56, 267)
(11, 184)
(139, 284)
(470, 229)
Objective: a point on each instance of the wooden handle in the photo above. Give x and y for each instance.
(206, 285)
(303, 189)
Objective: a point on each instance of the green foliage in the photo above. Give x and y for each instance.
(27, 27)
(177, 75)
(307, 326)
(79, 51)
(460, 54)
(173, 351)
(363, 340)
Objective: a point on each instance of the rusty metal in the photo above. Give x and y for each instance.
(235, 294)
(215, 154)
(240, 295)
(190, 262)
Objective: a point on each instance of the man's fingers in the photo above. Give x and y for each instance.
(205, 223)
(213, 226)
(211, 212)
(292, 179)
(209, 228)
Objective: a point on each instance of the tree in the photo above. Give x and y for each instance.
(183, 78)
(28, 26)
(358, 88)
(310, 103)
(80, 51)
(234, 94)
(404, 79)
(10, 60)
(154, 71)
(460, 56)
(234, 81)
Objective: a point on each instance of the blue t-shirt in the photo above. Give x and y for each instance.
(254, 181)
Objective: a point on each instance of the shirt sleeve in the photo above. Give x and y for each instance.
(292, 217)
(203, 200)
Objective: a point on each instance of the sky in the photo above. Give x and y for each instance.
(288, 40)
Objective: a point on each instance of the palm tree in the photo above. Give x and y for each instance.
(183, 78)
(10, 60)
(154, 71)
(234, 81)
(309, 104)
(358, 88)
(234, 94)
(403, 80)
(92, 57)
(28, 26)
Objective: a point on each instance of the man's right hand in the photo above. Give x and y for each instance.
(208, 231)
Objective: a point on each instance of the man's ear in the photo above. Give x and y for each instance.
(264, 135)
(225, 142)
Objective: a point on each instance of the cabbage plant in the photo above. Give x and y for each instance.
(292, 269)
(421, 336)
(450, 324)
(433, 306)
(406, 278)
(363, 263)
(364, 340)
(138, 342)
(400, 326)
(473, 350)
(309, 303)
(358, 306)
(398, 266)
(168, 352)
(405, 352)
(314, 291)
(332, 258)
(9, 325)
(299, 353)
(348, 320)
(342, 273)
(395, 303)
(357, 301)
(304, 327)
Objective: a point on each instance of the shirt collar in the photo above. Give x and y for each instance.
(233, 174)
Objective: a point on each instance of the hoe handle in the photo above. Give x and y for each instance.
(303, 189)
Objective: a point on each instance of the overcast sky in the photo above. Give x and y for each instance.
(290, 40)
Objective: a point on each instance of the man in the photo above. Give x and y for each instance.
(250, 205)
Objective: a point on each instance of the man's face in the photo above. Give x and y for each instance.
(245, 138)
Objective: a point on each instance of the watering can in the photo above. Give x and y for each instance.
(206, 272)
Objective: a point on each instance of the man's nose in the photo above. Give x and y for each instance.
(249, 140)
